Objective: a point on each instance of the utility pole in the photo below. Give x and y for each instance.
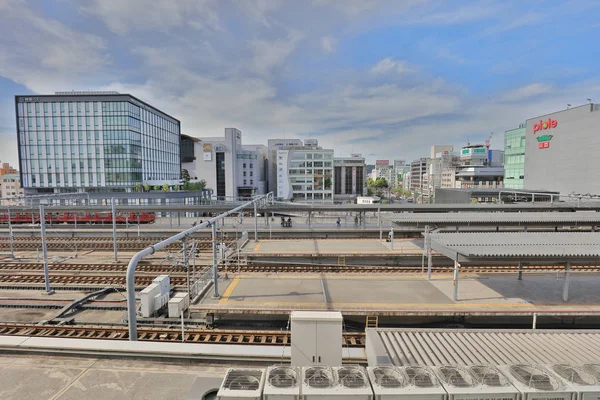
(214, 261)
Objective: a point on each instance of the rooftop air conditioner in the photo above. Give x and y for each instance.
(537, 382)
(282, 383)
(318, 382)
(484, 382)
(584, 382)
(242, 383)
(406, 383)
(353, 383)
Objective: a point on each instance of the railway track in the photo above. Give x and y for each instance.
(270, 338)
(79, 279)
(95, 243)
(15, 267)
(116, 268)
(403, 269)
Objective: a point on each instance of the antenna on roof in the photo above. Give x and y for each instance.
(589, 101)
(568, 106)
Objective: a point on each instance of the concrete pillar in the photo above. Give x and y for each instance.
(214, 261)
(566, 284)
(45, 249)
(520, 271)
(455, 281)
(255, 222)
(114, 225)
(379, 222)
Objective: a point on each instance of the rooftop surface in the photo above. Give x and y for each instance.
(435, 347)
(25, 377)
(334, 246)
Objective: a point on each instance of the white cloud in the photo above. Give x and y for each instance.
(122, 17)
(526, 92)
(270, 54)
(328, 44)
(44, 54)
(388, 65)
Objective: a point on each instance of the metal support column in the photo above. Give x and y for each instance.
(455, 281)
(520, 271)
(114, 223)
(186, 264)
(214, 261)
(255, 222)
(11, 238)
(45, 249)
(392, 238)
(566, 284)
(429, 264)
(534, 321)
(379, 222)
(309, 213)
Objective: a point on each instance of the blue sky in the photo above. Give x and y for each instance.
(384, 78)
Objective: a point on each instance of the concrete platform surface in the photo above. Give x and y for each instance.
(395, 293)
(25, 377)
(334, 246)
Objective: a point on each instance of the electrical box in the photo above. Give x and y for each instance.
(316, 338)
(147, 299)
(165, 283)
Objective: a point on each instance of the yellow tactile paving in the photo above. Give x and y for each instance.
(225, 298)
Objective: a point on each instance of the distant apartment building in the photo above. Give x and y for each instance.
(440, 149)
(10, 187)
(6, 168)
(230, 168)
(383, 169)
(301, 172)
(94, 141)
(419, 178)
(349, 178)
(400, 170)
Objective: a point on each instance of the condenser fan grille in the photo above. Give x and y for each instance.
(420, 377)
(574, 375)
(352, 377)
(534, 377)
(593, 369)
(489, 375)
(457, 377)
(283, 378)
(319, 378)
(388, 378)
(243, 380)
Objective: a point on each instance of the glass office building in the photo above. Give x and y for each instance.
(94, 141)
(514, 157)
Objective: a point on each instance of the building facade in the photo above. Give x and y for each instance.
(349, 177)
(480, 168)
(383, 169)
(561, 151)
(514, 157)
(230, 168)
(418, 179)
(94, 141)
(302, 172)
(10, 187)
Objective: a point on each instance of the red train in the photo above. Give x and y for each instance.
(82, 218)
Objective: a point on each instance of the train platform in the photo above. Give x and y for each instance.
(334, 246)
(406, 295)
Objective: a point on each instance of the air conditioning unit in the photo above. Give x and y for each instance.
(242, 383)
(353, 383)
(483, 382)
(282, 383)
(586, 384)
(406, 383)
(318, 382)
(537, 382)
(593, 369)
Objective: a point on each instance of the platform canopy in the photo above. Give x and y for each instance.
(554, 247)
(496, 218)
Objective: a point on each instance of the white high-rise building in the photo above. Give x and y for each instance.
(301, 171)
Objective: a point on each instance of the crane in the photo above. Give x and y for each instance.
(487, 142)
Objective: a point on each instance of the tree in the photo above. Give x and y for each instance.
(156, 188)
(146, 187)
(186, 186)
(185, 175)
(176, 188)
(370, 191)
(327, 183)
(165, 187)
(138, 187)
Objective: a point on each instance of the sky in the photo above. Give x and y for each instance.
(384, 78)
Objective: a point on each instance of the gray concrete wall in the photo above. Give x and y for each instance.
(445, 196)
(571, 162)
